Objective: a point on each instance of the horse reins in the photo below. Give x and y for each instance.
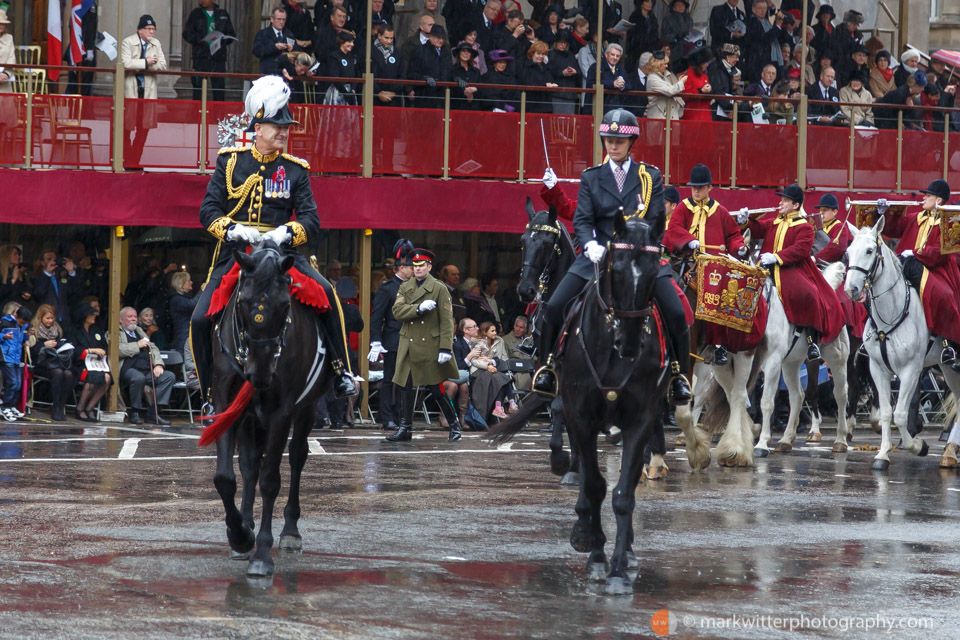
(603, 284)
(557, 251)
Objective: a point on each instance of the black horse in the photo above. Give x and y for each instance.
(615, 371)
(270, 368)
(547, 255)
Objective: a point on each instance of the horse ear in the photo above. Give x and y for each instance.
(530, 211)
(553, 214)
(878, 228)
(619, 224)
(852, 228)
(246, 262)
(287, 263)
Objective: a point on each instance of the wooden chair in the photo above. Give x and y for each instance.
(66, 123)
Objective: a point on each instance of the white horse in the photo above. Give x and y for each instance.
(895, 335)
(786, 353)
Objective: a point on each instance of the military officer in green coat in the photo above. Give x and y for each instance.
(425, 356)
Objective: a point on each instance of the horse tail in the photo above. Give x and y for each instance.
(506, 429)
(834, 274)
(225, 420)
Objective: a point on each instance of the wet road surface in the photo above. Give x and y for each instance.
(117, 532)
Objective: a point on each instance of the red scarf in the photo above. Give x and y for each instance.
(296, 7)
(886, 73)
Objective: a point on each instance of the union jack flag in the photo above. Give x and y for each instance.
(77, 50)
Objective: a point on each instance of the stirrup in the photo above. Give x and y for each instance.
(813, 349)
(206, 410)
(545, 380)
(949, 354)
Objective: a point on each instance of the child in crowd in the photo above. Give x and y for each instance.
(13, 335)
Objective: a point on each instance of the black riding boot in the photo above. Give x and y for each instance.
(679, 385)
(813, 348)
(720, 355)
(446, 407)
(408, 398)
(343, 384)
(545, 378)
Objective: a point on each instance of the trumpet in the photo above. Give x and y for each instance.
(753, 213)
(873, 203)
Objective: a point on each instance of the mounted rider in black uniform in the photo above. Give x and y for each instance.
(619, 184)
(260, 189)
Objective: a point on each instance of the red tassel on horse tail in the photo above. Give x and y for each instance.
(225, 420)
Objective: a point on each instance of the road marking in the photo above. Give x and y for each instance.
(328, 453)
(952, 489)
(315, 447)
(90, 439)
(506, 446)
(840, 475)
(129, 449)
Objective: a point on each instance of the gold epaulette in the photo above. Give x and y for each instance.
(300, 161)
(231, 150)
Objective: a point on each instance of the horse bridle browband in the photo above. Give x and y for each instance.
(602, 297)
(544, 278)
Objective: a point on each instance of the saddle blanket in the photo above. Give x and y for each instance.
(304, 289)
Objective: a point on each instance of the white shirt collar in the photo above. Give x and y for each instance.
(423, 38)
(625, 165)
(824, 90)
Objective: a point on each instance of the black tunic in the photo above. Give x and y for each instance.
(537, 74)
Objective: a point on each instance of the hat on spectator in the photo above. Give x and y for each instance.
(700, 176)
(918, 79)
(438, 31)
(825, 8)
(859, 49)
(853, 16)
(3, 17)
(793, 192)
(861, 76)
(266, 102)
(938, 188)
(81, 311)
(554, 8)
(909, 54)
(673, 2)
(794, 72)
(345, 35)
(422, 256)
(499, 55)
(783, 87)
(465, 46)
(402, 250)
(699, 56)
(828, 201)
(563, 35)
(146, 20)
(670, 194)
(729, 49)
(796, 14)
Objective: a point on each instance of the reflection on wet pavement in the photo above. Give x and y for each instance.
(440, 540)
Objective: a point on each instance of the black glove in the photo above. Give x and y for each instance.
(431, 82)
(462, 82)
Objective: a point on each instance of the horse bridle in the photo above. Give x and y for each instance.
(603, 291)
(869, 275)
(544, 278)
(241, 337)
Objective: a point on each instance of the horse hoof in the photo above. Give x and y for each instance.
(783, 447)
(580, 540)
(760, 452)
(260, 569)
(814, 437)
(570, 478)
(617, 586)
(839, 447)
(596, 571)
(559, 463)
(291, 543)
(241, 555)
(681, 441)
(879, 464)
(924, 448)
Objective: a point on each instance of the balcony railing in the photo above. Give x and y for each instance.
(39, 130)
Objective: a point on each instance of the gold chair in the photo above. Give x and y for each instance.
(66, 124)
(30, 81)
(27, 54)
(310, 92)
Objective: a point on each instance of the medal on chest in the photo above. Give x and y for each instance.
(278, 186)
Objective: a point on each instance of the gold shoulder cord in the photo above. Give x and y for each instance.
(646, 190)
(243, 191)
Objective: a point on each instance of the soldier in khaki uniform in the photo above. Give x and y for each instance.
(425, 356)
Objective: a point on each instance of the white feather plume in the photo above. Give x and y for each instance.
(269, 93)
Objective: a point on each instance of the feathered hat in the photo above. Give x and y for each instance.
(266, 102)
(402, 250)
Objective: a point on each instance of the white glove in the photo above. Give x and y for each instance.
(742, 216)
(594, 251)
(882, 206)
(243, 233)
(375, 350)
(768, 259)
(281, 235)
(444, 357)
(907, 254)
(427, 305)
(90, 54)
(549, 178)
(693, 245)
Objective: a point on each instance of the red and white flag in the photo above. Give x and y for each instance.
(54, 38)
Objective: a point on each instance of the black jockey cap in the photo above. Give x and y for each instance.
(828, 201)
(940, 189)
(670, 194)
(619, 123)
(402, 250)
(266, 102)
(421, 256)
(700, 176)
(793, 192)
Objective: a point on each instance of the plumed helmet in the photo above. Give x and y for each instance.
(266, 102)
(619, 123)
(402, 250)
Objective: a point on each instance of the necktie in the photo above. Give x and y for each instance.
(621, 176)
